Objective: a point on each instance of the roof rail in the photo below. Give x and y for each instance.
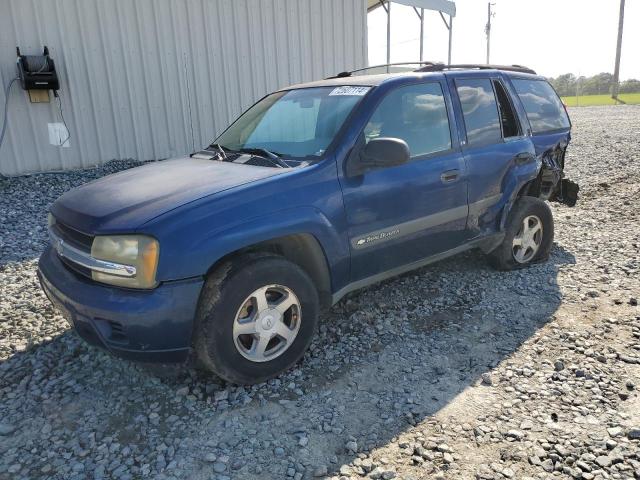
(438, 67)
(349, 73)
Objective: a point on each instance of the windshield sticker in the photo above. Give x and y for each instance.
(353, 91)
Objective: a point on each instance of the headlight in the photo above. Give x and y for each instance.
(138, 251)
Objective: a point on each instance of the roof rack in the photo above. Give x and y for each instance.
(438, 67)
(351, 72)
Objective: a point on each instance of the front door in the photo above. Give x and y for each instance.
(400, 215)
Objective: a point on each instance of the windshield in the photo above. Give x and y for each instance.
(295, 123)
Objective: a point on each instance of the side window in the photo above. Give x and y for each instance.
(480, 111)
(544, 109)
(416, 114)
(508, 119)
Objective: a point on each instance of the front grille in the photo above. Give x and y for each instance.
(84, 271)
(78, 239)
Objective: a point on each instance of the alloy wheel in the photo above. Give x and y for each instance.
(527, 241)
(267, 323)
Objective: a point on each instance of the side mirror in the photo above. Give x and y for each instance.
(379, 153)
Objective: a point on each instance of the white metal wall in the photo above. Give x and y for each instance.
(152, 79)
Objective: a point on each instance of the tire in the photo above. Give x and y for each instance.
(509, 255)
(229, 303)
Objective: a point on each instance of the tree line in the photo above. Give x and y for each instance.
(568, 85)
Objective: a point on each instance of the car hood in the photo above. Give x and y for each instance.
(126, 200)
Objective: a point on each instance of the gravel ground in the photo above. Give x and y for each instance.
(451, 372)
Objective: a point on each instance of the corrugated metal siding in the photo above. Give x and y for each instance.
(151, 79)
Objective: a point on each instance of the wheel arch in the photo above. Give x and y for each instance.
(527, 189)
(303, 249)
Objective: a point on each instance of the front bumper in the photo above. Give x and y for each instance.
(143, 325)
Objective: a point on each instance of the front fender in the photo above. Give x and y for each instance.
(195, 256)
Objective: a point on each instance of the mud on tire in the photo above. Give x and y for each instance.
(225, 295)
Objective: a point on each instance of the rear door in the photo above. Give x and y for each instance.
(494, 142)
(399, 215)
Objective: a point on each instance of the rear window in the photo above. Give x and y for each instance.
(544, 109)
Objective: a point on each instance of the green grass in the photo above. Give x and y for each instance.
(591, 100)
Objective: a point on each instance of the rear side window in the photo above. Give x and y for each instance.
(480, 111)
(416, 114)
(508, 120)
(544, 109)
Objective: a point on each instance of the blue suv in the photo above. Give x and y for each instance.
(315, 191)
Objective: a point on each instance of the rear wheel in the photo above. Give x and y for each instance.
(528, 235)
(256, 317)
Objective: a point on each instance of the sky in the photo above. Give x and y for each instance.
(551, 36)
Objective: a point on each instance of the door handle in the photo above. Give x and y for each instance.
(449, 176)
(524, 157)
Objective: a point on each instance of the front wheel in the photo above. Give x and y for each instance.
(256, 317)
(528, 235)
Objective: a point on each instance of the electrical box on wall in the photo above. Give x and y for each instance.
(37, 74)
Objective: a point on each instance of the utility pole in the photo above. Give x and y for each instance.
(487, 28)
(616, 70)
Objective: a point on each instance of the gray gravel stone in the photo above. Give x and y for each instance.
(6, 429)
(399, 368)
(320, 471)
(219, 467)
(634, 433)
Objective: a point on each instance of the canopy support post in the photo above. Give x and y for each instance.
(388, 9)
(450, 38)
(421, 34)
(447, 6)
(420, 15)
(450, 28)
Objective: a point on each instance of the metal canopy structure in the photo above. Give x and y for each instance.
(443, 7)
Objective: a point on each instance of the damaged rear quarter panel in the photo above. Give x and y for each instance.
(551, 183)
(550, 149)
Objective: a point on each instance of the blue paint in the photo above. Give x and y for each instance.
(203, 210)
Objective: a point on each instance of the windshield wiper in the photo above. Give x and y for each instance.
(220, 149)
(263, 152)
